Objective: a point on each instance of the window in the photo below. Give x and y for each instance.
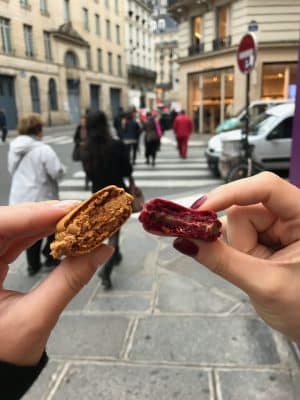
(118, 37)
(24, 3)
(88, 58)
(28, 41)
(52, 95)
(47, 45)
(97, 24)
(283, 130)
(119, 65)
(44, 6)
(99, 60)
(107, 3)
(108, 33)
(279, 80)
(222, 22)
(196, 31)
(71, 60)
(110, 66)
(5, 35)
(66, 10)
(117, 6)
(35, 94)
(85, 19)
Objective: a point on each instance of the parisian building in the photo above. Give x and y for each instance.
(166, 53)
(60, 58)
(139, 47)
(211, 84)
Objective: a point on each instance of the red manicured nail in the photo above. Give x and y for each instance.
(186, 247)
(199, 202)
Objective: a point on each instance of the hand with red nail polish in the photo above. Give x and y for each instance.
(259, 250)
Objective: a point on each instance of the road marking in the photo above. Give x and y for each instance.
(149, 183)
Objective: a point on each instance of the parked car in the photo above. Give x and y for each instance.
(256, 108)
(271, 135)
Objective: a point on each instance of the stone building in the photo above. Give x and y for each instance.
(166, 53)
(140, 54)
(211, 85)
(59, 58)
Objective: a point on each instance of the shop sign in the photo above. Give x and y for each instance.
(246, 54)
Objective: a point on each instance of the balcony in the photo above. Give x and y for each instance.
(135, 70)
(221, 43)
(196, 49)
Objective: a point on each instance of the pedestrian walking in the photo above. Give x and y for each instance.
(152, 138)
(3, 124)
(107, 164)
(80, 137)
(130, 134)
(35, 170)
(183, 127)
(117, 122)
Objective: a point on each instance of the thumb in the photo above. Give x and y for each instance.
(241, 269)
(48, 300)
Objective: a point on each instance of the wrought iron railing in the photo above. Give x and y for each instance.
(196, 49)
(221, 43)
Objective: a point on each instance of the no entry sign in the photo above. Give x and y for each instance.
(246, 54)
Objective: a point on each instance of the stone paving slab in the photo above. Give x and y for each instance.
(258, 385)
(88, 336)
(118, 303)
(178, 294)
(46, 381)
(204, 340)
(189, 268)
(113, 382)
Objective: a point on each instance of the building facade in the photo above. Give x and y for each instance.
(166, 54)
(140, 54)
(61, 58)
(211, 85)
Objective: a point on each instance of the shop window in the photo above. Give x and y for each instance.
(35, 94)
(52, 95)
(279, 81)
(194, 99)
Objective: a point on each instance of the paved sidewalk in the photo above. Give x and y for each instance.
(170, 329)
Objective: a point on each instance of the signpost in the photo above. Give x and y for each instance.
(246, 59)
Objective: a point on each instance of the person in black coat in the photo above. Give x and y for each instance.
(130, 134)
(3, 124)
(107, 164)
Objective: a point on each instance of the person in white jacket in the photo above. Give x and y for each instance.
(35, 169)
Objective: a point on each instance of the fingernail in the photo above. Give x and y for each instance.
(186, 247)
(66, 203)
(199, 202)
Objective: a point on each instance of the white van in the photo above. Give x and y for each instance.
(271, 135)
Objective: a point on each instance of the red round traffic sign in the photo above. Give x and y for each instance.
(246, 54)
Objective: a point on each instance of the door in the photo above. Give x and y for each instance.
(277, 149)
(73, 87)
(94, 97)
(115, 101)
(8, 101)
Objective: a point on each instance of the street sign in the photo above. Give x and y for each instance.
(246, 54)
(253, 26)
